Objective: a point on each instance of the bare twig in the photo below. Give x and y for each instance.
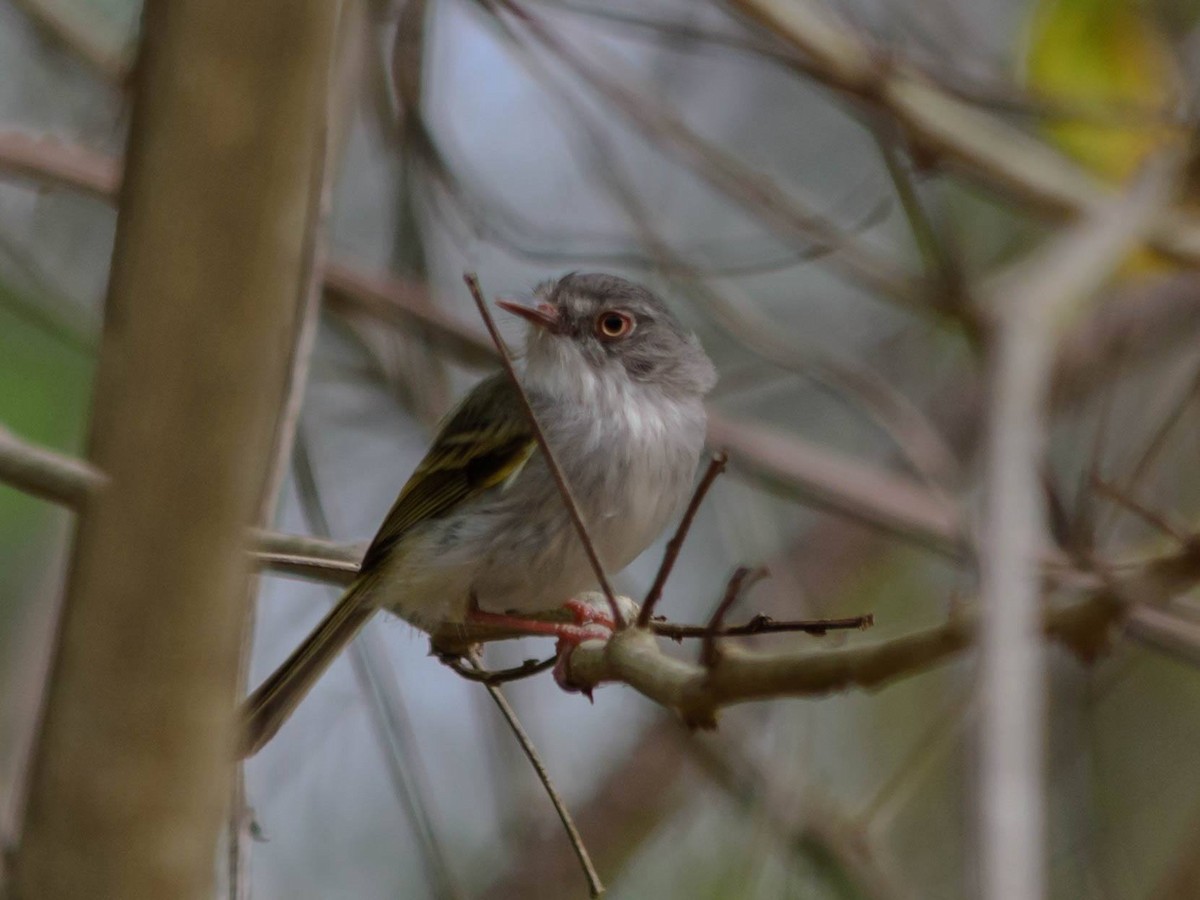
(631, 799)
(762, 624)
(494, 677)
(595, 886)
(556, 472)
(1154, 519)
(67, 481)
(739, 582)
(716, 466)
(1158, 440)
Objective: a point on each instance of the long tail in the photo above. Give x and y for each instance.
(273, 702)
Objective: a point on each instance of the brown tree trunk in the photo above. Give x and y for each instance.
(135, 756)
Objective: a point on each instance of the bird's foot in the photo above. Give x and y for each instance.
(592, 623)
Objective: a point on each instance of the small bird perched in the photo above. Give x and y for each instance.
(480, 531)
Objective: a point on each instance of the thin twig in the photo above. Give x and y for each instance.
(527, 669)
(1158, 441)
(715, 467)
(556, 471)
(738, 583)
(1154, 519)
(595, 886)
(762, 624)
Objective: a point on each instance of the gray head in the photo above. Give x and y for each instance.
(606, 326)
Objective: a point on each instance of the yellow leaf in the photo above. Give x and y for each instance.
(1113, 80)
(1106, 63)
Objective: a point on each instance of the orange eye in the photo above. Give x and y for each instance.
(613, 324)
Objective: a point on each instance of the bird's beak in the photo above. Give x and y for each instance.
(544, 315)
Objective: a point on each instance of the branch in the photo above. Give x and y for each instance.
(696, 692)
(186, 392)
(715, 467)
(595, 887)
(1165, 632)
(67, 481)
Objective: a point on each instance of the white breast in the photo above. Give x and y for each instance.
(630, 457)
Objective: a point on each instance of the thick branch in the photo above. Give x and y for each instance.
(133, 768)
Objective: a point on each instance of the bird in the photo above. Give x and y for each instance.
(480, 531)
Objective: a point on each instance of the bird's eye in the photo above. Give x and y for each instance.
(613, 325)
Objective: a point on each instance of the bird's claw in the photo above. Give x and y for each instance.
(592, 623)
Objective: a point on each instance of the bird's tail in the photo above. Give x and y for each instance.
(273, 702)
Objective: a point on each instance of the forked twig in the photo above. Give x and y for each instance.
(739, 582)
(551, 463)
(595, 886)
(715, 467)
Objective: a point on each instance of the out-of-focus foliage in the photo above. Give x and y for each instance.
(1113, 70)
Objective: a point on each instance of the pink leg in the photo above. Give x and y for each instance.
(583, 628)
(591, 623)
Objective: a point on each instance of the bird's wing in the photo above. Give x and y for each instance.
(484, 442)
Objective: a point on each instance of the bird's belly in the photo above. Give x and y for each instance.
(623, 517)
(516, 549)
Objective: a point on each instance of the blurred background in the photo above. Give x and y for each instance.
(833, 267)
